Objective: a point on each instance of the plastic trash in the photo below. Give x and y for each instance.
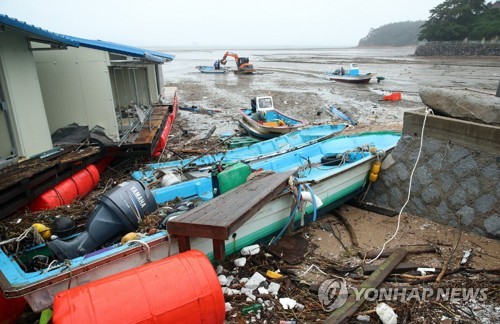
(250, 250)
(386, 314)
(273, 274)
(252, 308)
(306, 195)
(288, 303)
(169, 179)
(255, 281)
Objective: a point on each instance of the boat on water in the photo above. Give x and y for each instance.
(350, 76)
(334, 170)
(264, 121)
(211, 69)
(261, 150)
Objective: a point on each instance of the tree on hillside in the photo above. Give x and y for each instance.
(452, 20)
(395, 34)
(486, 25)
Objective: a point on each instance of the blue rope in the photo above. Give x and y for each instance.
(291, 217)
(313, 201)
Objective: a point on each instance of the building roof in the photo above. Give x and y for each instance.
(37, 33)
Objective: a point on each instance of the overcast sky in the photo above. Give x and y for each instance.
(205, 23)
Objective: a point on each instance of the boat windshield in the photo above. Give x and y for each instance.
(265, 103)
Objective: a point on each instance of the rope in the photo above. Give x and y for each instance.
(290, 218)
(144, 244)
(427, 111)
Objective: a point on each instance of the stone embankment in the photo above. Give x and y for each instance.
(456, 179)
(458, 50)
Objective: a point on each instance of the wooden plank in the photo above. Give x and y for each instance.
(151, 126)
(342, 313)
(223, 215)
(387, 252)
(184, 243)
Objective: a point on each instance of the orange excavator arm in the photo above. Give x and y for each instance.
(242, 63)
(224, 58)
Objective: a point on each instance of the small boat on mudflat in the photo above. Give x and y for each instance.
(264, 121)
(211, 69)
(350, 76)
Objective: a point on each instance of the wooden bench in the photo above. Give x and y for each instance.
(222, 216)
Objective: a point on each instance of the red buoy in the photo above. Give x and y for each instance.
(65, 192)
(162, 141)
(183, 288)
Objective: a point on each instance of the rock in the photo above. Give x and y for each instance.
(463, 104)
(240, 262)
(222, 280)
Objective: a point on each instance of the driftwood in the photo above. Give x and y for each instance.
(348, 226)
(418, 250)
(342, 313)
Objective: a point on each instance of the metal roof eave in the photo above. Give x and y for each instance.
(156, 57)
(36, 33)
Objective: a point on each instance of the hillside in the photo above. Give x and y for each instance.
(394, 34)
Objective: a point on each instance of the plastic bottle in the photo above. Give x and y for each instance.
(252, 308)
(250, 250)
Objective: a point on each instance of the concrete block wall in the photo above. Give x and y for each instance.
(456, 178)
(458, 50)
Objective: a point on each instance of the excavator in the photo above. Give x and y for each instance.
(242, 63)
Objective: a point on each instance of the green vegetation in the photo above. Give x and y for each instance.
(395, 34)
(455, 20)
(452, 20)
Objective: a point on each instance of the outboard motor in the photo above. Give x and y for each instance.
(119, 211)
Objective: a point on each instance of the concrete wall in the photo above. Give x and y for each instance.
(457, 176)
(458, 50)
(76, 87)
(20, 84)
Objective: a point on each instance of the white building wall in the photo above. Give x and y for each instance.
(76, 88)
(23, 94)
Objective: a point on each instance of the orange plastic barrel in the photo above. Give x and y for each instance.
(77, 186)
(183, 288)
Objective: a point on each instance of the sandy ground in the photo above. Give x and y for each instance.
(298, 88)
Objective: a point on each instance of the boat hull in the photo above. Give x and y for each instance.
(210, 69)
(262, 130)
(361, 79)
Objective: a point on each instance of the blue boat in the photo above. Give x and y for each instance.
(211, 69)
(260, 150)
(327, 174)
